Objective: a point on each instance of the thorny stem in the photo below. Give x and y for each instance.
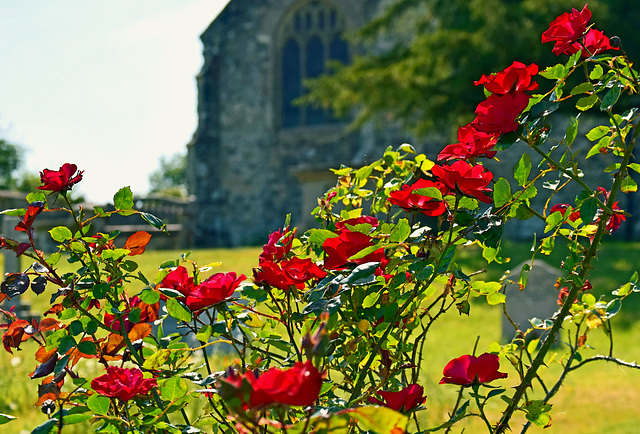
(575, 288)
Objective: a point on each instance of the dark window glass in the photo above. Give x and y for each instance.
(291, 83)
(314, 68)
(332, 18)
(338, 49)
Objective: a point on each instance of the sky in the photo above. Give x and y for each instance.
(108, 85)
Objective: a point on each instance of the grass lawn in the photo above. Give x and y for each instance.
(599, 398)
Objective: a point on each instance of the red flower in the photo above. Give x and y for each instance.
(498, 113)
(467, 370)
(339, 249)
(472, 143)
(594, 42)
(466, 178)
(410, 201)
(179, 280)
(293, 272)
(616, 218)
(213, 290)
(405, 400)
(562, 208)
(278, 246)
(148, 313)
(60, 180)
(515, 78)
(298, 386)
(343, 225)
(567, 29)
(123, 383)
(26, 221)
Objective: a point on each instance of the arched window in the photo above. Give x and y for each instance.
(311, 36)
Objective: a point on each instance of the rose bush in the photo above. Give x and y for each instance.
(328, 336)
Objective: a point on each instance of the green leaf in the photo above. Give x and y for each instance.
(370, 300)
(524, 276)
(5, 418)
(484, 288)
(588, 210)
(46, 427)
(496, 298)
(60, 234)
(99, 404)
(87, 347)
(319, 236)
(582, 88)
(174, 388)
(547, 245)
(506, 141)
(572, 130)
(157, 359)
(99, 211)
(554, 72)
(153, 221)
(628, 185)
(178, 310)
(431, 192)
(501, 193)
(522, 170)
(596, 73)
(586, 102)
(400, 232)
(610, 98)
(54, 258)
(149, 296)
(381, 420)
(598, 133)
(204, 333)
(123, 199)
(36, 196)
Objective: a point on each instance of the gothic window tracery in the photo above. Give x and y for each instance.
(311, 36)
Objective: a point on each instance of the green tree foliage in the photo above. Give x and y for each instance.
(10, 161)
(170, 179)
(427, 52)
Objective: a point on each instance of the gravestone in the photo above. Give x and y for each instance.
(537, 300)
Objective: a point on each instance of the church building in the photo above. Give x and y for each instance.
(256, 156)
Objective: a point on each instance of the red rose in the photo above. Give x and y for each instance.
(567, 29)
(467, 370)
(298, 386)
(594, 42)
(60, 180)
(498, 113)
(179, 280)
(515, 78)
(338, 250)
(410, 201)
(213, 290)
(562, 208)
(471, 144)
(278, 246)
(148, 313)
(466, 178)
(343, 225)
(26, 221)
(405, 400)
(293, 272)
(123, 383)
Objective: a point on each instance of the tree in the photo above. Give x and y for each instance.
(426, 52)
(171, 178)
(10, 161)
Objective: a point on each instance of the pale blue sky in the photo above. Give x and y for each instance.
(106, 84)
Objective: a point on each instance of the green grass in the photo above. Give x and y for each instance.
(599, 398)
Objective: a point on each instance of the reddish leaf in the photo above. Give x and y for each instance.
(137, 242)
(49, 324)
(114, 343)
(140, 331)
(55, 309)
(42, 355)
(45, 368)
